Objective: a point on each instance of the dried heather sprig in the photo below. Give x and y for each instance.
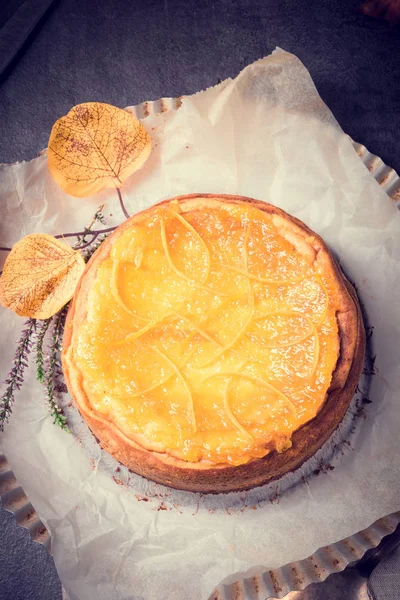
(53, 369)
(48, 369)
(81, 236)
(16, 376)
(41, 330)
(95, 236)
(92, 247)
(99, 215)
(81, 240)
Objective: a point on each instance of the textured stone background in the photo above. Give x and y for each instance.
(54, 54)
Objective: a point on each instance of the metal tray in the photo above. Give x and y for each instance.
(274, 583)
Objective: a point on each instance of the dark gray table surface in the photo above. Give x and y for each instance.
(56, 54)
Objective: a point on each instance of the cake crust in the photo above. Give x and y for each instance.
(203, 476)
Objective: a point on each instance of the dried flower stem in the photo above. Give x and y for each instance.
(81, 239)
(15, 377)
(84, 233)
(78, 234)
(54, 370)
(40, 358)
(87, 244)
(81, 235)
(98, 216)
(121, 202)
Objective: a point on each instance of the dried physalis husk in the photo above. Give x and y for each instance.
(40, 276)
(96, 146)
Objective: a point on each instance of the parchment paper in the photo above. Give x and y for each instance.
(266, 134)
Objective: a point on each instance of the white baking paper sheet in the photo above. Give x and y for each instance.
(266, 134)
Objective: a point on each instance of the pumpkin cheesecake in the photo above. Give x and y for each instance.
(213, 344)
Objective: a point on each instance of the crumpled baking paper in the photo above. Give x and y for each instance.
(266, 134)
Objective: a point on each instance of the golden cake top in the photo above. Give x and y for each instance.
(210, 334)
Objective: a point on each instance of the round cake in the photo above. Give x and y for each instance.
(213, 344)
